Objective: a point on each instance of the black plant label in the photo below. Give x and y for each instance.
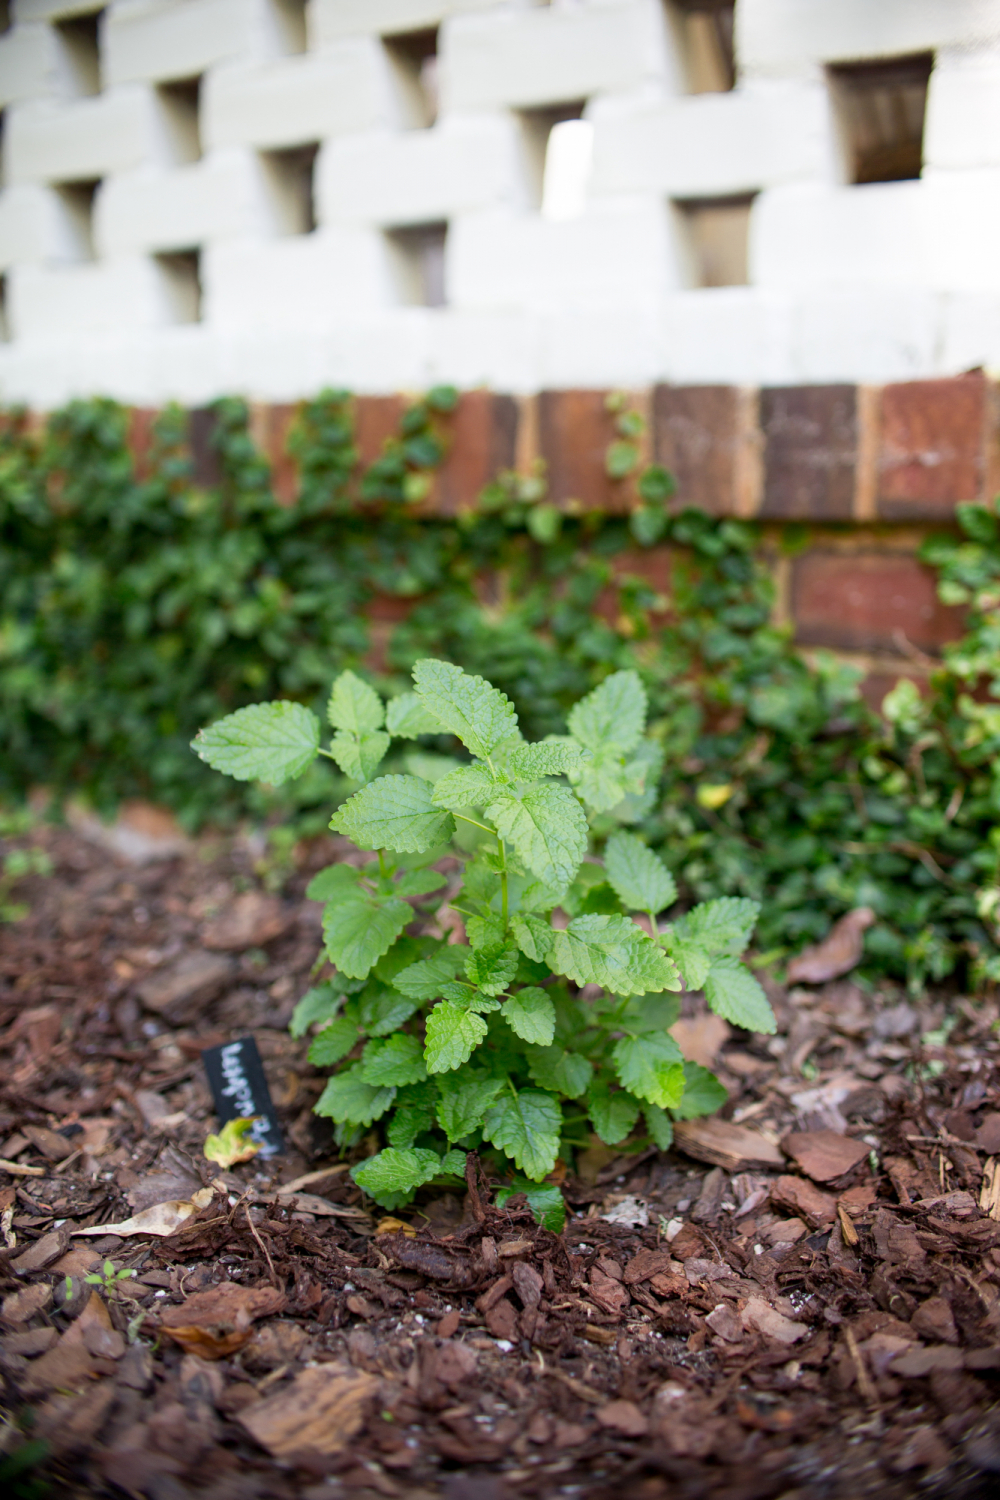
(240, 1090)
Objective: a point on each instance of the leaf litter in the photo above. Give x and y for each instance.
(804, 1300)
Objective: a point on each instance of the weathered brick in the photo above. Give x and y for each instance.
(482, 441)
(376, 418)
(270, 425)
(202, 422)
(810, 448)
(869, 601)
(696, 435)
(139, 438)
(574, 431)
(932, 450)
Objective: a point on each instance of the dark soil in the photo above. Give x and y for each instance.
(681, 1338)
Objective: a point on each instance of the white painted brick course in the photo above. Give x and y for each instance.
(27, 63)
(300, 283)
(298, 99)
(524, 58)
(27, 225)
(707, 144)
(65, 141)
(866, 334)
(152, 209)
(151, 40)
(71, 302)
(785, 36)
(333, 19)
(963, 111)
(726, 335)
(417, 176)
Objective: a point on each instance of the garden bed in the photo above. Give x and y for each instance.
(733, 1319)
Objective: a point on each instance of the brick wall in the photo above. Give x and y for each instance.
(203, 196)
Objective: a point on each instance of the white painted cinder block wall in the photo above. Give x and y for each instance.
(885, 281)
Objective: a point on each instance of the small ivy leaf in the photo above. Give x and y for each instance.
(721, 926)
(493, 968)
(640, 879)
(407, 717)
(348, 1100)
(703, 1093)
(231, 1144)
(614, 953)
(271, 742)
(651, 1067)
(423, 980)
(659, 1125)
(471, 708)
(544, 1199)
(526, 1126)
(563, 1072)
(464, 1099)
(532, 934)
(466, 786)
(452, 1037)
(318, 1004)
(548, 758)
(394, 1061)
(395, 1171)
(359, 756)
(332, 1043)
(354, 707)
(612, 1114)
(394, 812)
(733, 992)
(357, 932)
(531, 1015)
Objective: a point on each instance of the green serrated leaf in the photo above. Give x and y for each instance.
(692, 959)
(420, 882)
(357, 932)
(703, 1093)
(533, 935)
(640, 879)
(544, 1199)
(452, 1164)
(407, 717)
(722, 926)
(452, 1037)
(271, 742)
(614, 953)
(338, 882)
(464, 1099)
(393, 1061)
(380, 1011)
(484, 931)
(396, 1170)
(332, 1043)
(483, 1005)
(348, 1100)
(354, 706)
(394, 812)
(659, 1125)
(466, 786)
(732, 991)
(423, 980)
(471, 708)
(651, 1067)
(613, 1115)
(548, 758)
(564, 1072)
(546, 826)
(613, 716)
(531, 1015)
(413, 1115)
(359, 756)
(492, 969)
(651, 1012)
(321, 1003)
(526, 1127)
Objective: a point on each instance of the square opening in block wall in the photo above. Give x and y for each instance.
(704, 33)
(290, 25)
(417, 255)
(180, 119)
(558, 147)
(289, 177)
(4, 319)
(4, 16)
(881, 108)
(76, 219)
(78, 44)
(413, 58)
(180, 272)
(715, 234)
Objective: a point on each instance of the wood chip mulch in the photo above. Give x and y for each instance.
(801, 1299)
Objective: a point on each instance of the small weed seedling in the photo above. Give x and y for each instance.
(552, 1016)
(107, 1278)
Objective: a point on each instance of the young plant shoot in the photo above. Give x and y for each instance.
(550, 1018)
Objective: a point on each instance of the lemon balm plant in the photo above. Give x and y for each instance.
(552, 1016)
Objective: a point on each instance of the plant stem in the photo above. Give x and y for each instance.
(381, 865)
(463, 819)
(503, 884)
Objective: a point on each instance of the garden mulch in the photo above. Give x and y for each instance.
(802, 1298)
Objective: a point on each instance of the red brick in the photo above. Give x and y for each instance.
(202, 422)
(869, 601)
(270, 426)
(932, 450)
(696, 435)
(810, 452)
(482, 438)
(574, 431)
(141, 421)
(653, 565)
(376, 418)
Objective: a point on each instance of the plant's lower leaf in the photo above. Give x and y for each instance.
(703, 1093)
(332, 1043)
(359, 930)
(544, 1199)
(526, 1126)
(347, 1099)
(393, 1061)
(651, 1067)
(396, 1170)
(732, 991)
(566, 1073)
(465, 1097)
(612, 1113)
